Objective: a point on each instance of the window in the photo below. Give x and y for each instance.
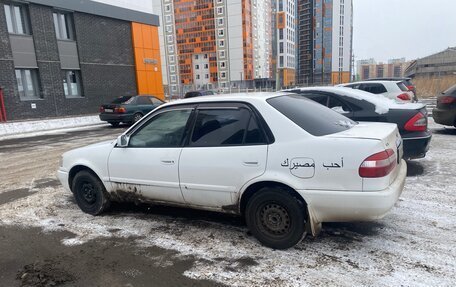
(220, 127)
(72, 84)
(164, 130)
(63, 24)
(373, 88)
(311, 116)
(27, 84)
(222, 54)
(16, 19)
(254, 134)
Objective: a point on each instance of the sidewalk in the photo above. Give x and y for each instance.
(33, 126)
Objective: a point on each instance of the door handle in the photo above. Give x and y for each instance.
(167, 161)
(251, 162)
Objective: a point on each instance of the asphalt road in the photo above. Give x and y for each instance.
(45, 240)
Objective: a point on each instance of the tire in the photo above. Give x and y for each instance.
(276, 218)
(90, 193)
(114, 124)
(137, 117)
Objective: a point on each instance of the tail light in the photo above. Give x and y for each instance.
(447, 100)
(378, 165)
(101, 109)
(418, 123)
(404, 97)
(120, 110)
(410, 88)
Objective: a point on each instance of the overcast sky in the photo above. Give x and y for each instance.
(385, 29)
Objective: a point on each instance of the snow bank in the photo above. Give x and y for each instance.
(14, 128)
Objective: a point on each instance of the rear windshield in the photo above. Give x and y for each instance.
(123, 100)
(402, 86)
(313, 117)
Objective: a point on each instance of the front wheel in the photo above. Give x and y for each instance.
(114, 124)
(90, 193)
(276, 218)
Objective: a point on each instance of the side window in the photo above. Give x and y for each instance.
(254, 134)
(338, 106)
(166, 129)
(374, 88)
(220, 127)
(321, 99)
(143, 100)
(155, 101)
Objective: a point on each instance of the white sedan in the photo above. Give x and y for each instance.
(395, 90)
(285, 163)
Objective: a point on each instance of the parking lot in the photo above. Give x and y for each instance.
(44, 236)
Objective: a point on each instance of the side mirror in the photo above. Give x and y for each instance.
(122, 141)
(340, 110)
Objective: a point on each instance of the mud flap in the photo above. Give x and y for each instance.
(313, 226)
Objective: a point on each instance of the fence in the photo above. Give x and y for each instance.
(2, 107)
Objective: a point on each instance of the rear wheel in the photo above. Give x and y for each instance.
(114, 124)
(90, 193)
(137, 117)
(276, 218)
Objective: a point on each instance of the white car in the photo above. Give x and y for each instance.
(395, 90)
(284, 162)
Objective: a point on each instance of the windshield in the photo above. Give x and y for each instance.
(313, 117)
(123, 100)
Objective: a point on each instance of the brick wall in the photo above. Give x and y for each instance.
(106, 61)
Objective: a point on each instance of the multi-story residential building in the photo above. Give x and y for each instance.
(284, 40)
(213, 44)
(325, 41)
(369, 68)
(61, 58)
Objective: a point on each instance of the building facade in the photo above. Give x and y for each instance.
(325, 37)
(62, 58)
(369, 68)
(285, 42)
(214, 44)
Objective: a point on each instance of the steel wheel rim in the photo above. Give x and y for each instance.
(137, 117)
(274, 219)
(88, 193)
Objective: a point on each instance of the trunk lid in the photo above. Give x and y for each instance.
(386, 133)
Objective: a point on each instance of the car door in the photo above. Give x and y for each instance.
(226, 149)
(148, 166)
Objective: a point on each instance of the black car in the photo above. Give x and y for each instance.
(128, 109)
(193, 94)
(357, 105)
(445, 111)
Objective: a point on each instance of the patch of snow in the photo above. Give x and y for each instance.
(26, 127)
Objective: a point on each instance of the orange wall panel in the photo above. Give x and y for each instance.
(147, 60)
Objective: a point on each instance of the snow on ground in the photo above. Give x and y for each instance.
(24, 127)
(414, 245)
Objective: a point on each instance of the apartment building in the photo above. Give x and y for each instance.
(60, 58)
(285, 42)
(214, 44)
(325, 37)
(369, 68)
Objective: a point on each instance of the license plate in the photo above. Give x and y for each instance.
(109, 110)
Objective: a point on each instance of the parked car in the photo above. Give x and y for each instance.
(410, 118)
(128, 109)
(445, 111)
(395, 90)
(285, 163)
(193, 94)
(407, 82)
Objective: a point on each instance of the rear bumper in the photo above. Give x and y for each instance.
(416, 147)
(116, 118)
(341, 206)
(444, 117)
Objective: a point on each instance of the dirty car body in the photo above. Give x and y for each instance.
(285, 163)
